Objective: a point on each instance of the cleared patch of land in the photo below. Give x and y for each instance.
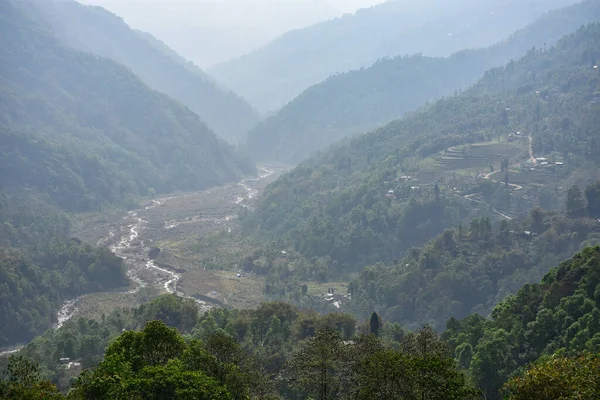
(200, 247)
(472, 158)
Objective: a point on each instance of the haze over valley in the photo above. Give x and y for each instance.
(309, 199)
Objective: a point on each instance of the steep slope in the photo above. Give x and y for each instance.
(559, 315)
(95, 30)
(41, 268)
(276, 73)
(85, 131)
(338, 205)
(361, 100)
(470, 270)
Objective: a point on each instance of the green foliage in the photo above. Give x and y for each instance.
(460, 273)
(362, 100)
(86, 132)
(558, 316)
(558, 378)
(41, 268)
(87, 340)
(95, 30)
(20, 380)
(374, 324)
(323, 366)
(333, 208)
(147, 365)
(276, 73)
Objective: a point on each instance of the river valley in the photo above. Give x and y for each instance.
(167, 219)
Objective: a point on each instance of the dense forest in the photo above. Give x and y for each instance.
(358, 101)
(41, 267)
(279, 351)
(559, 316)
(470, 269)
(87, 132)
(276, 73)
(97, 31)
(356, 203)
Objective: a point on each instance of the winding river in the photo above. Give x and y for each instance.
(129, 234)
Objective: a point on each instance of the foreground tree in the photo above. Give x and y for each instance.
(148, 365)
(558, 378)
(21, 380)
(318, 368)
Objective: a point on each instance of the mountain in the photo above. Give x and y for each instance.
(559, 315)
(372, 198)
(212, 31)
(279, 71)
(364, 99)
(84, 132)
(97, 31)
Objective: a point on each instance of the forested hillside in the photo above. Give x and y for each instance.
(537, 345)
(97, 31)
(276, 351)
(357, 203)
(362, 100)
(470, 269)
(86, 132)
(41, 268)
(559, 316)
(278, 72)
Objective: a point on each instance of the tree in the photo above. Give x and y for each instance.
(592, 194)
(492, 363)
(154, 345)
(318, 367)
(374, 324)
(537, 220)
(575, 203)
(558, 378)
(21, 380)
(504, 164)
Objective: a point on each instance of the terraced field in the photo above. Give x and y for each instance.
(473, 158)
(523, 176)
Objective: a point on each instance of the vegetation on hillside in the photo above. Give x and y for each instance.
(95, 30)
(41, 268)
(86, 132)
(276, 351)
(337, 204)
(470, 269)
(276, 73)
(359, 101)
(558, 317)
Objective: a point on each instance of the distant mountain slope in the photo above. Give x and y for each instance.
(361, 100)
(335, 206)
(85, 131)
(276, 73)
(95, 30)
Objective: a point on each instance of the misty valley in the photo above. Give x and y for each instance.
(397, 202)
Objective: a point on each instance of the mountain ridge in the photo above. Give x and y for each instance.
(88, 133)
(276, 73)
(95, 30)
(361, 100)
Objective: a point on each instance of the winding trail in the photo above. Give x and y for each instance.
(515, 187)
(127, 245)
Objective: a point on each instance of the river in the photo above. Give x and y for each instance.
(125, 242)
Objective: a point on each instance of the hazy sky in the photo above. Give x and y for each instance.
(212, 31)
